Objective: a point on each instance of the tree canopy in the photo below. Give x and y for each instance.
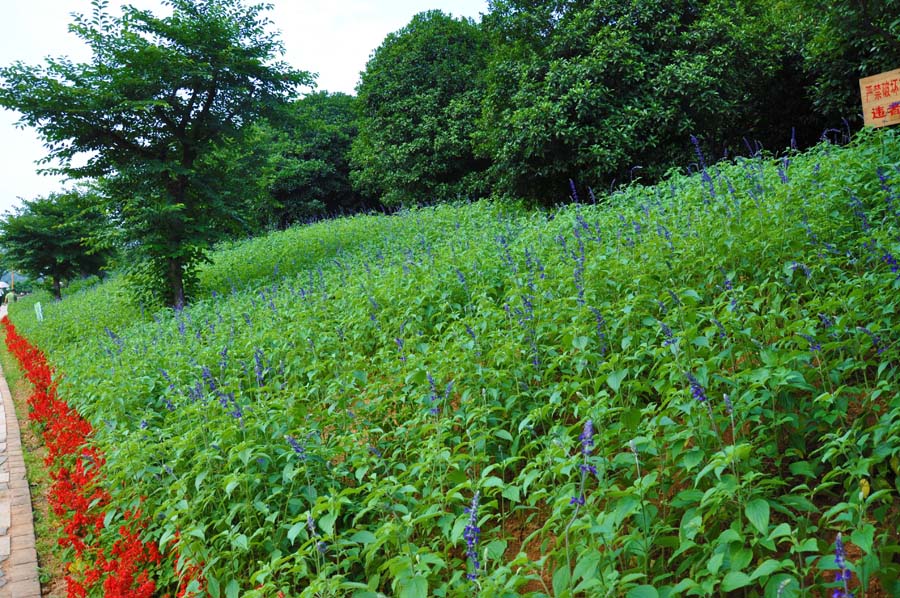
(589, 90)
(297, 162)
(419, 99)
(56, 237)
(159, 94)
(843, 41)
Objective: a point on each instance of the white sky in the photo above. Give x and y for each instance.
(333, 38)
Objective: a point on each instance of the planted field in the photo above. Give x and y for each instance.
(687, 389)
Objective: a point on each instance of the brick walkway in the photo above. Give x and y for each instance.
(18, 559)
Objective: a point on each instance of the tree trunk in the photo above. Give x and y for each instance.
(176, 283)
(57, 288)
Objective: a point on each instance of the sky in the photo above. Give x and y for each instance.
(333, 38)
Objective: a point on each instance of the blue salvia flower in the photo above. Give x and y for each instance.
(782, 170)
(826, 321)
(587, 438)
(574, 190)
(115, 338)
(223, 364)
(814, 345)
(802, 267)
(399, 342)
(236, 412)
(876, 340)
(313, 533)
(704, 175)
(859, 212)
(472, 535)
(195, 393)
(843, 574)
(601, 324)
(722, 332)
(729, 406)
(587, 447)
(299, 449)
(208, 378)
(433, 396)
(674, 297)
(891, 196)
(667, 332)
(165, 376)
(259, 368)
(697, 390)
(891, 261)
(144, 424)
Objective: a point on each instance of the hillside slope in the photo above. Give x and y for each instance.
(689, 389)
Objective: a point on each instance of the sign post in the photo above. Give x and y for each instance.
(881, 99)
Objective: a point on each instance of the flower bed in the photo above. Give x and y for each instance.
(104, 555)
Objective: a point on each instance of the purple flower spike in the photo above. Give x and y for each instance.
(697, 389)
(472, 535)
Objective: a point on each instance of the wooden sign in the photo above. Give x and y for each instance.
(881, 99)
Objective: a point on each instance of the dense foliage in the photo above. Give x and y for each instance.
(59, 237)
(843, 41)
(159, 93)
(185, 121)
(690, 389)
(419, 99)
(591, 91)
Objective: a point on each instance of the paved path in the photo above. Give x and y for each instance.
(18, 569)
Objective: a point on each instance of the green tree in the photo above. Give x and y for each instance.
(843, 41)
(57, 237)
(587, 90)
(420, 97)
(299, 161)
(160, 94)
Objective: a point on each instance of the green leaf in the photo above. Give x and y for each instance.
(766, 568)
(492, 482)
(511, 493)
(644, 591)
(363, 537)
(416, 587)
(494, 550)
(561, 581)
(715, 562)
(780, 531)
(757, 511)
(614, 379)
(232, 590)
(864, 537)
(735, 580)
(587, 564)
(295, 531)
(326, 523)
(213, 586)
